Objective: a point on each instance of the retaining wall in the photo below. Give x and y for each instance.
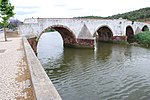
(42, 85)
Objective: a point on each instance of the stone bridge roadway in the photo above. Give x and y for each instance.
(81, 32)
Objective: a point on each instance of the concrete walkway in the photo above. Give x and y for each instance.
(15, 83)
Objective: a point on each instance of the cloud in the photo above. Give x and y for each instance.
(73, 8)
(60, 5)
(76, 9)
(27, 7)
(25, 13)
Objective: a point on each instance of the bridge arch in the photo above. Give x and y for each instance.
(66, 33)
(104, 33)
(145, 28)
(129, 34)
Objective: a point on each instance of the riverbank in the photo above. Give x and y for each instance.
(21, 76)
(15, 82)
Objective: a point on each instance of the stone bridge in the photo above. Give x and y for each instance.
(82, 32)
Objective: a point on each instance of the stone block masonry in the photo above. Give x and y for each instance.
(76, 31)
(86, 43)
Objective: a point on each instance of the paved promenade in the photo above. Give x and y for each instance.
(15, 83)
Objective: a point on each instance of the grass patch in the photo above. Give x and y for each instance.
(143, 38)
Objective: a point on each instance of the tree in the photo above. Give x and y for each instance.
(6, 11)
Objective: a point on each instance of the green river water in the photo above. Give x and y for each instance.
(109, 72)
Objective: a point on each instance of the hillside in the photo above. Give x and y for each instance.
(137, 15)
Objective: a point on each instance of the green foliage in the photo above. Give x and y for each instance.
(50, 30)
(6, 11)
(137, 15)
(143, 38)
(92, 17)
(1, 25)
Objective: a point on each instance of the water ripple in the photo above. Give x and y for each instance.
(113, 72)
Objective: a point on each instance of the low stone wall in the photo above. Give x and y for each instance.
(43, 87)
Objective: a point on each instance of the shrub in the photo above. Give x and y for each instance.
(143, 38)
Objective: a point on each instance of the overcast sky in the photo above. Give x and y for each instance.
(74, 8)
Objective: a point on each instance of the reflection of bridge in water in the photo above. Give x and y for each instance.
(81, 32)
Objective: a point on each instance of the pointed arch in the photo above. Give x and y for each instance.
(66, 33)
(104, 33)
(129, 34)
(145, 28)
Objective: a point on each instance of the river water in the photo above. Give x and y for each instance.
(110, 72)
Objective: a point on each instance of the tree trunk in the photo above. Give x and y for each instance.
(5, 33)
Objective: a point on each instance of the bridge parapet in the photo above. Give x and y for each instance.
(117, 25)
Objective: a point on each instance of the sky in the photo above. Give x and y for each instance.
(74, 8)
